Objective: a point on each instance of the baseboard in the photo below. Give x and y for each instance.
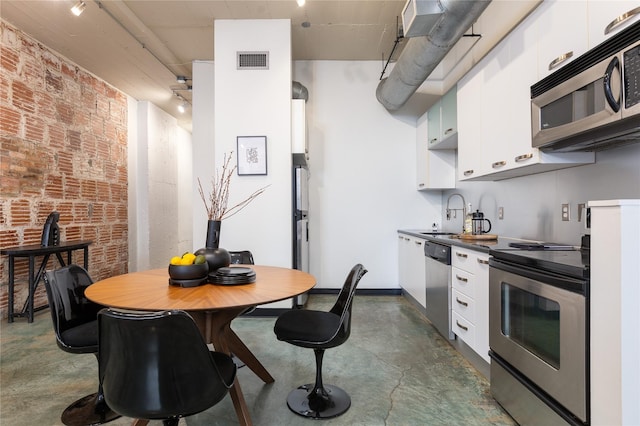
(363, 291)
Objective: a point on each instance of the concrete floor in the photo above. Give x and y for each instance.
(395, 366)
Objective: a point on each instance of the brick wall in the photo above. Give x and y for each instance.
(63, 147)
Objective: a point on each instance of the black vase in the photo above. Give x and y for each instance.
(216, 257)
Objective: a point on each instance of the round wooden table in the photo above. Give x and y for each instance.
(213, 307)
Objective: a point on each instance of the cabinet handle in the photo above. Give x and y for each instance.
(418, 242)
(407, 239)
(620, 19)
(498, 164)
(462, 326)
(449, 130)
(432, 141)
(483, 262)
(468, 172)
(463, 279)
(463, 255)
(523, 157)
(560, 59)
(463, 303)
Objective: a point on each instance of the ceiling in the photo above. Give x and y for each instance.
(140, 46)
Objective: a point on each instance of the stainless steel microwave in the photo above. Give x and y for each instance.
(592, 103)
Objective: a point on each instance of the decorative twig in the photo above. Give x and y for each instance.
(217, 205)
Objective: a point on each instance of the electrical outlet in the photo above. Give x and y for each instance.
(500, 213)
(566, 214)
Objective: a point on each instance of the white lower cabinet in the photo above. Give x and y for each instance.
(411, 267)
(470, 298)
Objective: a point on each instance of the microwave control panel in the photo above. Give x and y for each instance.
(631, 61)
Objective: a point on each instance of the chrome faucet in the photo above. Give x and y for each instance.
(463, 209)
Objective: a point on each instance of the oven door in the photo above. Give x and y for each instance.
(539, 330)
(586, 101)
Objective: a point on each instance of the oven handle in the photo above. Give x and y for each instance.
(571, 284)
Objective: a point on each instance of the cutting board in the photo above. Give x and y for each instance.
(477, 237)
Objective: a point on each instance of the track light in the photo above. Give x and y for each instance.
(300, 2)
(78, 8)
(181, 79)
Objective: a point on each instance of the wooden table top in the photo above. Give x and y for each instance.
(150, 290)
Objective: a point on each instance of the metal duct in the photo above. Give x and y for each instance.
(298, 91)
(422, 55)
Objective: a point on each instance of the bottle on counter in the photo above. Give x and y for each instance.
(468, 221)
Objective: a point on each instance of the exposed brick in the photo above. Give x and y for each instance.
(9, 60)
(9, 121)
(43, 209)
(54, 82)
(9, 238)
(74, 140)
(34, 129)
(64, 162)
(69, 70)
(65, 208)
(64, 112)
(71, 188)
(20, 213)
(53, 187)
(46, 106)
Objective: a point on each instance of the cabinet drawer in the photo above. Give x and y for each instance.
(464, 282)
(462, 259)
(463, 305)
(463, 329)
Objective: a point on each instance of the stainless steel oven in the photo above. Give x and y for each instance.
(538, 335)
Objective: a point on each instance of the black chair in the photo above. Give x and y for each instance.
(156, 365)
(75, 324)
(320, 330)
(243, 257)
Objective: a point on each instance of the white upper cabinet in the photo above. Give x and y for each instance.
(442, 118)
(562, 31)
(603, 13)
(434, 169)
(494, 107)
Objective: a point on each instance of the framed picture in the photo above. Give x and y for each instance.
(252, 155)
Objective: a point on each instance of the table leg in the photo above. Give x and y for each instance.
(11, 289)
(32, 289)
(239, 349)
(140, 422)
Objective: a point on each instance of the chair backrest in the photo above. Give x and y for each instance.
(243, 257)
(156, 365)
(343, 304)
(70, 308)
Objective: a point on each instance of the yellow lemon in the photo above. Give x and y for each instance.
(188, 258)
(175, 260)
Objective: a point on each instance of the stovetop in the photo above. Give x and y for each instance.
(571, 262)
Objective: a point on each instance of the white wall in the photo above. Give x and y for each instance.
(362, 175)
(159, 188)
(255, 103)
(532, 204)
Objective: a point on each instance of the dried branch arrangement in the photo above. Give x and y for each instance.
(217, 203)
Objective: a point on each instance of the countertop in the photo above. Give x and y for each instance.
(481, 245)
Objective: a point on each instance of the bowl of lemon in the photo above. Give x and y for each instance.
(188, 270)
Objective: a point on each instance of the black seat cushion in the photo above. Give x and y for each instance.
(82, 336)
(307, 328)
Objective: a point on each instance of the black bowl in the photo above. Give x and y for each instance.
(188, 272)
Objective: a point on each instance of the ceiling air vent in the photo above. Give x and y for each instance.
(253, 60)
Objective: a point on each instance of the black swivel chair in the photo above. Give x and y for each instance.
(156, 365)
(320, 330)
(242, 257)
(75, 324)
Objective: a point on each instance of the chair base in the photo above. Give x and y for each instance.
(338, 402)
(83, 413)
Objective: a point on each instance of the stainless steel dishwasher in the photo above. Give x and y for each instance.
(438, 283)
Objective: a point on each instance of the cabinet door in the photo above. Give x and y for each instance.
(562, 33)
(601, 13)
(421, 152)
(470, 94)
(415, 280)
(434, 129)
(449, 114)
(482, 305)
(434, 169)
(403, 259)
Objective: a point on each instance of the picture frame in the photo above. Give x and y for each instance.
(252, 155)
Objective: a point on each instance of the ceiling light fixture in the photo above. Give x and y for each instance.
(300, 2)
(181, 79)
(78, 8)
